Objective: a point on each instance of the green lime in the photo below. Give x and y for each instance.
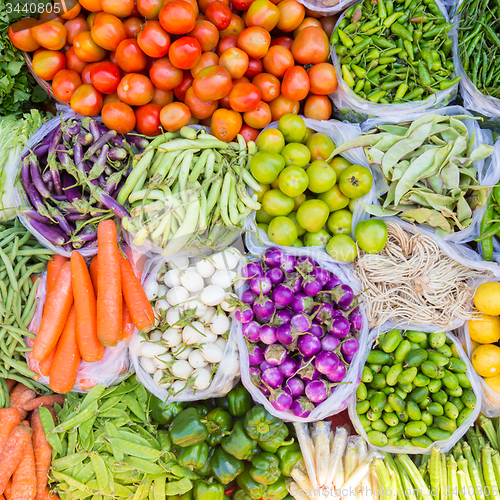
(261, 216)
(276, 203)
(282, 231)
(296, 154)
(293, 181)
(342, 247)
(260, 194)
(293, 127)
(322, 177)
(339, 164)
(293, 217)
(334, 198)
(271, 141)
(321, 146)
(264, 227)
(352, 205)
(298, 243)
(312, 215)
(316, 239)
(340, 222)
(371, 235)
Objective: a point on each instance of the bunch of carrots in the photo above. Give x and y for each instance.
(25, 453)
(87, 310)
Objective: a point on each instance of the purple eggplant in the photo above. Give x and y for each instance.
(349, 347)
(326, 362)
(272, 257)
(41, 150)
(36, 177)
(37, 201)
(281, 400)
(267, 334)
(309, 345)
(255, 355)
(285, 334)
(282, 317)
(302, 407)
(282, 294)
(317, 391)
(85, 139)
(322, 274)
(51, 160)
(51, 233)
(301, 322)
(94, 130)
(272, 377)
(288, 263)
(252, 270)
(265, 365)
(356, 321)
(339, 327)
(117, 154)
(338, 374)
(261, 285)
(316, 330)
(248, 297)
(244, 314)
(275, 354)
(63, 224)
(343, 296)
(25, 173)
(255, 375)
(332, 283)
(47, 178)
(348, 358)
(323, 312)
(76, 217)
(276, 275)
(308, 371)
(329, 343)
(294, 282)
(294, 386)
(110, 203)
(302, 303)
(86, 235)
(265, 390)
(72, 128)
(288, 367)
(137, 140)
(97, 145)
(263, 307)
(33, 214)
(251, 331)
(70, 188)
(311, 286)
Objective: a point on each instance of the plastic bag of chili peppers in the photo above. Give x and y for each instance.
(393, 58)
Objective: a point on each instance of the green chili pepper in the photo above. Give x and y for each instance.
(391, 85)
(350, 11)
(409, 49)
(357, 39)
(369, 25)
(442, 28)
(360, 72)
(359, 86)
(367, 87)
(346, 75)
(446, 84)
(402, 89)
(400, 31)
(383, 43)
(374, 30)
(446, 47)
(375, 71)
(382, 12)
(387, 60)
(423, 74)
(372, 55)
(376, 96)
(357, 49)
(416, 92)
(346, 41)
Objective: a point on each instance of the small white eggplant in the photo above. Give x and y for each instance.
(155, 335)
(151, 289)
(196, 360)
(205, 319)
(213, 295)
(212, 353)
(148, 365)
(179, 263)
(219, 323)
(221, 342)
(192, 282)
(193, 333)
(201, 378)
(161, 305)
(182, 352)
(177, 386)
(205, 268)
(228, 259)
(150, 349)
(225, 304)
(172, 278)
(208, 337)
(162, 290)
(173, 316)
(161, 361)
(182, 369)
(199, 307)
(158, 374)
(177, 295)
(172, 337)
(223, 278)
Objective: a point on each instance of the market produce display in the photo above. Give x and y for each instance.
(190, 192)
(301, 324)
(394, 52)
(192, 302)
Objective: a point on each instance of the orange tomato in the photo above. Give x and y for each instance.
(111, 98)
(311, 46)
(236, 26)
(308, 21)
(91, 5)
(174, 116)
(75, 26)
(254, 41)
(119, 8)
(226, 43)
(203, 4)
(178, 17)
(248, 133)
(268, 85)
(199, 109)
(86, 49)
(154, 40)
(206, 34)
(73, 62)
(165, 75)
(235, 61)
(292, 13)
(64, 84)
(150, 9)
(130, 57)
(105, 77)
(323, 79)
(133, 26)
(118, 116)
(207, 59)
(21, 35)
(258, 117)
(194, 4)
(148, 119)
(244, 97)
(212, 83)
(71, 8)
(262, 13)
(51, 35)
(135, 89)
(225, 124)
(86, 100)
(318, 107)
(295, 85)
(281, 106)
(46, 63)
(108, 31)
(277, 60)
(162, 97)
(185, 52)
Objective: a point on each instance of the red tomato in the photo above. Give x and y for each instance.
(244, 97)
(311, 46)
(255, 67)
(242, 4)
(292, 13)
(254, 41)
(281, 106)
(86, 73)
(119, 8)
(225, 124)
(133, 26)
(235, 61)
(212, 84)
(64, 84)
(91, 5)
(295, 85)
(203, 4)
(226, 43)
(165, 75)
(307, 22)
(73, 62)
(219, 14)
(111, 98)
(75, 26)
(86, 100)
(174, 116)
(318, 107)
(185, 52)
(21, 36)
(187, 81)
(108, 31)
(150, 9)
(268, 85)
(243, 79)
(206, 34)
(236, 26)
(86, 49)
(153, 40)
(328, 24)
(249, 133)
(118, 116)
(277, 60)
(207, 59)
(51, 35)
(264, 14)
(105, 77)
(178, 17)
(148, 119)
(162, 97)
(284, 41)
(258, 117)
(224, 103)
(130, 57)
(199, 109)
(46, 63)
(323, 79)
(135, 89)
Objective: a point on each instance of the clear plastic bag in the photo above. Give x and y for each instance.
(340, 397)
(227, 372)
(355, 109)
(256, 239)
(488, 170)
(327, 7)
(445, 444)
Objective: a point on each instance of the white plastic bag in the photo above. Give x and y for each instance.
(327, 7)
(355, 109)
(488, 170)
(340, 133)
(227, 371)
(445, 444)
(341, 395)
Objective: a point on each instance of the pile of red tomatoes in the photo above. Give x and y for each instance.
(143, 64)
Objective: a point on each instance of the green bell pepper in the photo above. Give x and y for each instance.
(206, 470)
(261, 425)
(164, 413)
(251, 487)
(238, 443)
(275, 443)
(208, 491)
(219, 423)
(225, 467)
(289, 456)
(186, 496)
(187, 428)
(276, 491)
(202, 409)
(265, 468)
(194, 456)
(226, 497)
(239, 401)
(241, 495)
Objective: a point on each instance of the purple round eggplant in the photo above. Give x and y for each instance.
(244, 314)
(261, 285)
(323, 311)
(301, 322)
(252, 270)
(294, 386)
(343, 296)
(305, 258)
(248, 297)
(295, 283)
(265, 365)
(309, 345)
(312, 287)
(322, 274)
(340, 328)
(349, 347)
(275, 354)
(255, 355)
(264, 390)
(302, 303)
(326, 362)
(348, 358)
(329, 343)
(283, 295)
(282, 317)
(255, 376)
(317, 391)
(332, 283)
(276, 275)
(288, 263)
(267, 334)
(281, 400)
(317, 330)
(264, 308)
(302, 407)
(288, 367)
(308, 371)
(338, 374)
(272, 377)
(356, 321)
(251, 331)
(272, 257)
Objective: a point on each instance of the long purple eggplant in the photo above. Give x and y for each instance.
(33, 214)
(99, 143)
(85, 139)
(62, 222)
(70, 187)
(41, 150)
(25, 173)
(89, 245)
(59, 197)
(117, 154)
(54, 143)
(76, 217)
(137, 140)
(110, 203)
(53, 234)
(78, 157)
(36, 177)
(47, 177)
(73, 128)
(36, 199)
(94, 130)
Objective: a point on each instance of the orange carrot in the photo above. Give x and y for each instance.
(93, 272)
(54, 399)
(24, 478)
(91, 350)
(53, 268)
(26, 396)
(43, 453)
(10, 384)
(137, 303)
(109, 296)
(8, 490)
(87, 383)
(55, 313)
(128, 324)
(12, 453)
(9, 418)
(67, 358)
(46, 364)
